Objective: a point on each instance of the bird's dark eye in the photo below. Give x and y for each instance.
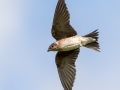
(52, 46)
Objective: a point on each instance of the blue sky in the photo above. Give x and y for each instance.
(25, 34)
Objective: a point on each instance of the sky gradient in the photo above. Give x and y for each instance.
(25, 34)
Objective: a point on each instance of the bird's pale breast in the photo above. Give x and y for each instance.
(70, 43)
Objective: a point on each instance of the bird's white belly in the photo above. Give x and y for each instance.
(68, 44)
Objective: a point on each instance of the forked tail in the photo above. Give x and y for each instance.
(93, 45)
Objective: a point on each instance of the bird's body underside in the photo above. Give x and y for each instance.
(74, 42)
(68, 44)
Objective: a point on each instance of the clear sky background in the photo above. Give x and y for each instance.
(25, 34)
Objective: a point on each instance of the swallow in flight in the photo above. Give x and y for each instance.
(68, 44)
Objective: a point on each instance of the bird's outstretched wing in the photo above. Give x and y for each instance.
(65, 62)
(61, 27)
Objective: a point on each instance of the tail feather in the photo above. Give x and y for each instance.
(93, 45)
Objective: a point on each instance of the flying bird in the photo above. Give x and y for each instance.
(68, 44)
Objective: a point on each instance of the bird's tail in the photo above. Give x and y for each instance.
(93, 45)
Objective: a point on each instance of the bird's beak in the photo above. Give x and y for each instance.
(48, 50)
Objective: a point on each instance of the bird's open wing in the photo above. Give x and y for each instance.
(65, 62)
(61, 27)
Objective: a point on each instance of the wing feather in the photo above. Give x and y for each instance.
(65, 62)
(61, 27)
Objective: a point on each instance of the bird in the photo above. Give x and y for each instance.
(67, 44)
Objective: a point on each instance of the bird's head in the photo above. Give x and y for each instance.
(53, 47)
